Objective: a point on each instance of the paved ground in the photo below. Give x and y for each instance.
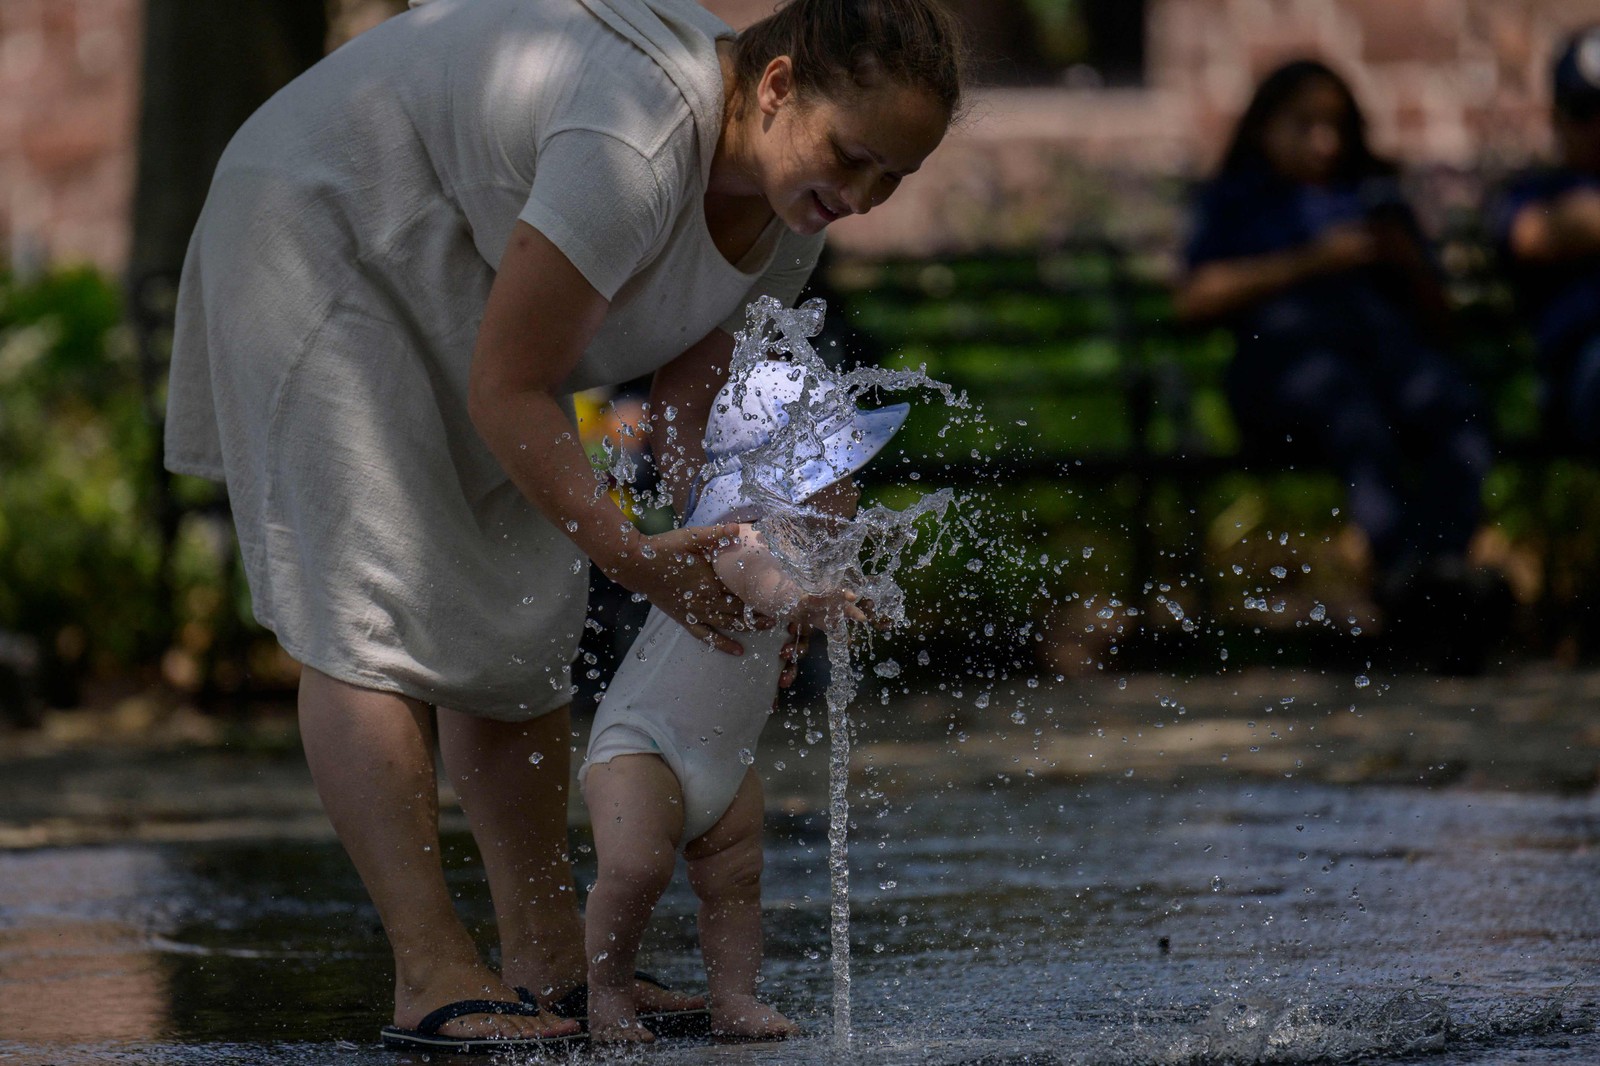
(148, 768)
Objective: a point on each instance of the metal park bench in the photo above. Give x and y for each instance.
(1079, 341)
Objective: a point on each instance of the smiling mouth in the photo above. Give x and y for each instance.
(827, 214)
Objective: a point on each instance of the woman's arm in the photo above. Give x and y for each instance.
(541, 316)
(680, 403)
(1221, 287)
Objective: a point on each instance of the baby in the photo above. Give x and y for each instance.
(669, 758)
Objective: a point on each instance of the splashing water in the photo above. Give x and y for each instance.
(841, 690)
(862, 554)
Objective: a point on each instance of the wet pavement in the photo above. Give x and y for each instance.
(1266, 866)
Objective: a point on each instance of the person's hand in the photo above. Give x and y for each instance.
(793, 652)
(673, 571)
(1344, 247)
(829, 610)
(853, 608)
(1553, 231)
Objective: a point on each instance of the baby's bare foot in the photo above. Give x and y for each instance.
(652, 998)
(612, 1018)
(747, 1018)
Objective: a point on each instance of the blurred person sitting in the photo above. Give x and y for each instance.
(1547, 224)
(1305, 248)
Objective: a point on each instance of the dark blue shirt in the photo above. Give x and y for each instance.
(1561, 300)
(1252, 212)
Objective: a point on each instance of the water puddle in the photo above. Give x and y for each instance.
(1030, 922)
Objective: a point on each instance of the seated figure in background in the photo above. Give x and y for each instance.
(1305, 248)
(1548, 227)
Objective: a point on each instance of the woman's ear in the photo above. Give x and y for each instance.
(776, 87)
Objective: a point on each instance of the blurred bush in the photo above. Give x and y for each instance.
(80, 556)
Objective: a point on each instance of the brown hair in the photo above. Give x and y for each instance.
(841, 46)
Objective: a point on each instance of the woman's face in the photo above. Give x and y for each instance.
(818, 160)
(1305, 140)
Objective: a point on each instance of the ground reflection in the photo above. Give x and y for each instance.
(1031, 921)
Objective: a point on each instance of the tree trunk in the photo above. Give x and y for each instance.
(207, 65)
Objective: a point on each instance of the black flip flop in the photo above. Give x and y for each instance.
(690, 1023)
(426, 1036)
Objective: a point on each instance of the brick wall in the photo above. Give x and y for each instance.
(1447, 85)
(68, 101)
(1456, 84)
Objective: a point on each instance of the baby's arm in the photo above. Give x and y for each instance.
(755, 575)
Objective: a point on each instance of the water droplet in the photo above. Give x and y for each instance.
(886, 668)
(1362, 681)
(1088, 553)
(747, 756)
(1278, 571)
(536, 758)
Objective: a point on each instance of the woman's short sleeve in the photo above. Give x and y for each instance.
(784, 277)
(602, 202)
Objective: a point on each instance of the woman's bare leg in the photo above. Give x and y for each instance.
(725, 872)
(513, 779)
(371, 756)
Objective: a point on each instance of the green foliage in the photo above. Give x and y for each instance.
(1059, 26)
(1058, 350)
(79, 557)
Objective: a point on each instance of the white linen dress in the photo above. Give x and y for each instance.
(332, 293)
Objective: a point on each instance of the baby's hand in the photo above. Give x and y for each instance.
(828, 611)
(753, 573)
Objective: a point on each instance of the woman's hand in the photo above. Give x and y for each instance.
(673, 571)
(1345, 247)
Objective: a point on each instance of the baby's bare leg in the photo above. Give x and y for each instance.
(636, 809)
(725, 871)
